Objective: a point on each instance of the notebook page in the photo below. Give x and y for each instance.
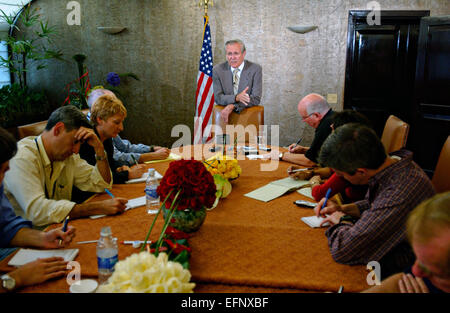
(24, 256)
(314, 221)
(143, 178)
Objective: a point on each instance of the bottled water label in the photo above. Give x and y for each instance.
(151, 192)
(107, 263)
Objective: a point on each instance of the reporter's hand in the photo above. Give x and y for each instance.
(114, 206)
(122, 168)
(39, 271)
(333, 219)
(315, 180)
(52, 237)
(329, 209)
(88, 135)
(411, 284)
(294, 148)
(161, 154)
(302, 175)
(136, 171)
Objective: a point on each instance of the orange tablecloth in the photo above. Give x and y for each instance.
(244, 245)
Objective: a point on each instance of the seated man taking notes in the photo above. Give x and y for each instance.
(316, 112)
(372, 229)
(17, 232)
(45, 168)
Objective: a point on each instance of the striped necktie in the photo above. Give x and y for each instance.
(235, 81)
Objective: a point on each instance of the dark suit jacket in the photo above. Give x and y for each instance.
(251, 77)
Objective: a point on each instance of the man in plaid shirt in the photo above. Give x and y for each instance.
(372, 229)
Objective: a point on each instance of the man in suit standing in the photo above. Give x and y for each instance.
(237, 82)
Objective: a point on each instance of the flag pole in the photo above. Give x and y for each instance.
(205, 4)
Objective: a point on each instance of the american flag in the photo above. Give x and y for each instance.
(204, 96)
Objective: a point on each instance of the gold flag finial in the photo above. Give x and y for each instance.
(205, 4)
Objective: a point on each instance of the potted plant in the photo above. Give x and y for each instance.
(29, 46)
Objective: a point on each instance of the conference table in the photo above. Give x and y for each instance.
(244, 245)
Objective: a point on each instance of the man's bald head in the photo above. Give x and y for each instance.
(313, 103)
(312, 108)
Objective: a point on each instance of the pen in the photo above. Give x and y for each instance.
(132, 156)
(326, 199)
(298, 142)
(109, 192)
(130, 242)
(64, 229)
(89, 241)
(302, 169)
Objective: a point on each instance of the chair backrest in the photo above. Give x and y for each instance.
(395, 134)
(441, 176)
(33, 129)
(250, 116)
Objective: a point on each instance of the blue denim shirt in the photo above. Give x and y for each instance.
(10, 223)
(124, 151)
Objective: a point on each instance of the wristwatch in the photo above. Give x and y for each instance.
(101, 158)
(280, 157)
(8, 282)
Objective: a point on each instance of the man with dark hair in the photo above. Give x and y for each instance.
(39, 184)
(372, 229)
(17, 232)
(237, 82)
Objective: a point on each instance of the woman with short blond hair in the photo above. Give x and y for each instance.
(107, 116)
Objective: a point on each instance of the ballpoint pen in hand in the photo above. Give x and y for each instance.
(64, 229)
(326, 199)
(109, 193)
(134, 159)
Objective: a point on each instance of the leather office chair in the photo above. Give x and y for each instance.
(33, 129)
(441, 176)
(395, 134)
(250, 116)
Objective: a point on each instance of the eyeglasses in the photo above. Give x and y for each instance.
(429, 273)
(305, 118)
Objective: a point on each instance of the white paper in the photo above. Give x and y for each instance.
(131, 204)
(143, 178)
(24, 256)
(314, 221)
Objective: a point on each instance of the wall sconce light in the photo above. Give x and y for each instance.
(302, 29)
(111, 30)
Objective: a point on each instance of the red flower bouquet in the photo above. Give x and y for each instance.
(197, 185)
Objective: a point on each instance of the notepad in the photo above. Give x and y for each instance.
(171, 157)
(276, 189)
(314, 221)
(307, 192)
(131, 204)
(143, 178)
(24, 256)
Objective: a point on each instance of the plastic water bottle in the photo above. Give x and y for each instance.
(151, 196)
(107, 254)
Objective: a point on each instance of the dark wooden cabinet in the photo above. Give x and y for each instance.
(402, 67)
(380, 65)
(431, 123)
